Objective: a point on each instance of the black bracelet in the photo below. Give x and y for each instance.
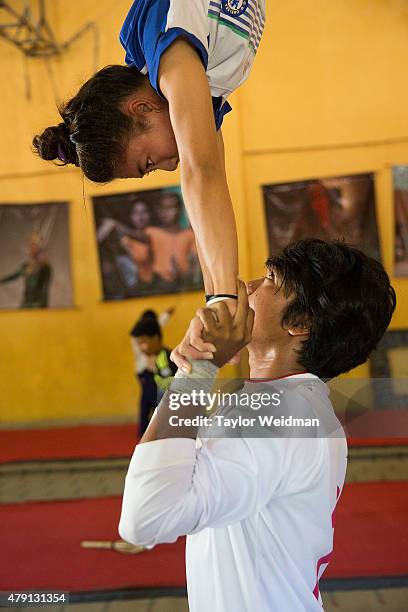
(221, 295)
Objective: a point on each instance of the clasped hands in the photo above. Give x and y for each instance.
(216, 334)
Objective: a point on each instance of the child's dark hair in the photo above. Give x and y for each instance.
(344, 296)
(94, 132)
(146, 327)
(149, 314)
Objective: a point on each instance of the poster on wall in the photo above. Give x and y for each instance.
(389, 370)
(34, 256)
(146, 245)
(400, 181)
(331, 208)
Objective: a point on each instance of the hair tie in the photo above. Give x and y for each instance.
(62, 156)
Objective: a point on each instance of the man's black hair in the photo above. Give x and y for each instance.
(342, 295)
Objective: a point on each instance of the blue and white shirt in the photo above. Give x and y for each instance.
(225, 33)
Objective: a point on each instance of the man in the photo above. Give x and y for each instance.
(258, 511)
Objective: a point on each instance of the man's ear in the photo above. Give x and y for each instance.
(298, 330)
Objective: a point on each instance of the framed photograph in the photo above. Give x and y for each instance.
(146, 245)
(34, 256)
(400, 183)
(330, 208)
(389, 369)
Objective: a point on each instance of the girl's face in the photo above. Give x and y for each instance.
(154, 149)
(140, 216)
(168, 210)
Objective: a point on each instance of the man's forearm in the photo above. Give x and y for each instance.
(201, 379)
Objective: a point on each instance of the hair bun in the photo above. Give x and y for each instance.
(54, 143)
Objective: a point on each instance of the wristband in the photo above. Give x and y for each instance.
(219, 297)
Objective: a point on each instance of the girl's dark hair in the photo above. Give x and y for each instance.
(342, 295)
(95, 131)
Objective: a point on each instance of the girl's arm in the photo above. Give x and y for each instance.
(183, 81)
(205, 272)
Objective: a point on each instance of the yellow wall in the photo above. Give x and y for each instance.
(326, 96)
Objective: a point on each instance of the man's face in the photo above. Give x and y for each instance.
(267, 298)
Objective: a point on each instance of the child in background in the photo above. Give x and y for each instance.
(152, 361)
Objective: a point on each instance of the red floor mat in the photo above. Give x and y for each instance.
(40, 542)
(109, 441)
(371, 533)
(79, 442)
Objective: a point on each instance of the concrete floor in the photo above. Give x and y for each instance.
(386, 600)
(50, 480)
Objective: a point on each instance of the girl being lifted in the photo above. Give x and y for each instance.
(166, 107)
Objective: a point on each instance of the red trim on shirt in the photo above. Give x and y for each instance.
(256, 380)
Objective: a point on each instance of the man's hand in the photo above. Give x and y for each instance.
(229, 334)
(197, 344)
(193, 346)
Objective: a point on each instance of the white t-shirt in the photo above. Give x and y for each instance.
(225, 33)
(259, 512)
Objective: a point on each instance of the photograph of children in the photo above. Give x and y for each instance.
(146, 245)
(330, 208)
(400, 181)
(34, 256)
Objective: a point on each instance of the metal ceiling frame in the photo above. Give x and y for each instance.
(35, 38)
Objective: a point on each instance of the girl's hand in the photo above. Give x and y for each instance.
(228, 333)
(218, 321)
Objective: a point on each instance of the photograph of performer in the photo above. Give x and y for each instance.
(37, 275)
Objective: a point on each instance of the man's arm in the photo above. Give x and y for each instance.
(228, 334)
(172, 488)
(203, 179)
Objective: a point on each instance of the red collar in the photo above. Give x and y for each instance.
(257, 380)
